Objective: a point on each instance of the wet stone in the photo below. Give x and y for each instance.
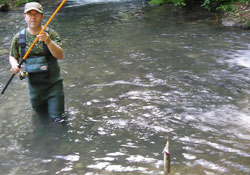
(4, 7)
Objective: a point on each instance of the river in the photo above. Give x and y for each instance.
(133, 75)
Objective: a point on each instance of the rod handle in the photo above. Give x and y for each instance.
(6, 86)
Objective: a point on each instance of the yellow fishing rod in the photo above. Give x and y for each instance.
(33, 44)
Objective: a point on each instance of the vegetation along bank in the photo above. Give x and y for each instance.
(234, 13)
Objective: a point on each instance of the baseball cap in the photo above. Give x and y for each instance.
(33, 6)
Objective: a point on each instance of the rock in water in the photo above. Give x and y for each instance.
(228, 23)
(4, 7)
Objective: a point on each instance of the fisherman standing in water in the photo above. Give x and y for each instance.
(45, 83)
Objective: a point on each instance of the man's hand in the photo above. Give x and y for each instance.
(14, 65)
(14, 68)
(44, 37)
(54, 49)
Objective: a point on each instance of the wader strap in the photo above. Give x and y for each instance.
(23, 43)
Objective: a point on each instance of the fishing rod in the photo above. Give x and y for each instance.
(33, 44)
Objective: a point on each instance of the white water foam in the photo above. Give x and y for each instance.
(240, 58)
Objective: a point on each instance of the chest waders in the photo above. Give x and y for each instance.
(44, 80)
(38, 66)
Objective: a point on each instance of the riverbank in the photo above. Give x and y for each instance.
(238, 17)
(7, 5)
(235, 15)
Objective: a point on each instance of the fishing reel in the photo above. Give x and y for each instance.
(23, 75)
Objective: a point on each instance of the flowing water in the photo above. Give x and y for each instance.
(133, 75)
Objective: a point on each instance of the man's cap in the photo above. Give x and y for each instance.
(33, 6)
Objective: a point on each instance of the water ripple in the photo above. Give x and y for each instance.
(122, 82)
(217, 146)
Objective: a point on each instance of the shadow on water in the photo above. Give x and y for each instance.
(45, 146)
(46, 131)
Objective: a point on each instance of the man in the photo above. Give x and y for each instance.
(44, 80)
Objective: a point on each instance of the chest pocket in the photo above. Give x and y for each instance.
(38, 69)
(37, 64)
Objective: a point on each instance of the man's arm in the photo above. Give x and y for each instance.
(54, 48)
(14, 64)
(14, 54)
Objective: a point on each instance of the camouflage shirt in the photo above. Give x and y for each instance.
(38, 49)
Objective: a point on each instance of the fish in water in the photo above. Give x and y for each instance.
(166, 158)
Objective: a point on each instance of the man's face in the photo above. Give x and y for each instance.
(33, 19)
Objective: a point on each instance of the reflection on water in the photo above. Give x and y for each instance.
(132, 76)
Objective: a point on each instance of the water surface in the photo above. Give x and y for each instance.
(133, 75)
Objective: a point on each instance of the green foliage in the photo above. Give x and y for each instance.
(248, 25)
(21, 2)
(244, 1)
(178, 2)
(16, 3)
(157, 2)
(175, 2)
(218, 4)
(226, 5)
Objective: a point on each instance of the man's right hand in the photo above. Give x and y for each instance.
(14, 65)
(15, 69)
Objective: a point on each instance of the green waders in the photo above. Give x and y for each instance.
(48, 100)
(44, 81)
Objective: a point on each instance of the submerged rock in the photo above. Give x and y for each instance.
(228, 22)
